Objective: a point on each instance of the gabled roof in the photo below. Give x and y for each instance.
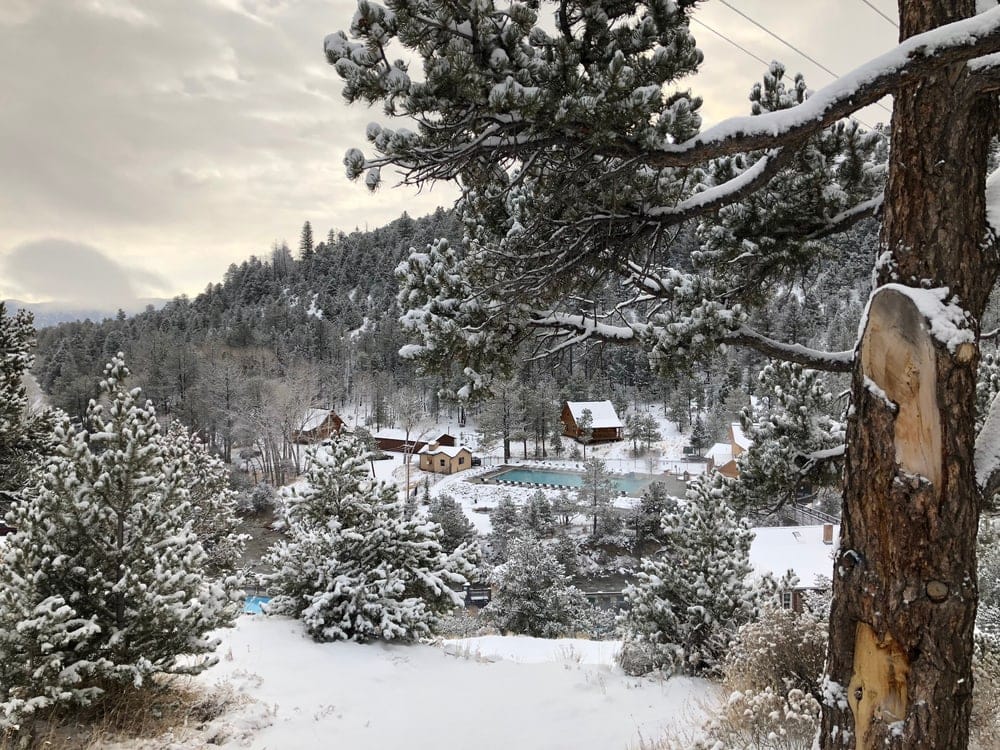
(392, 433)
(739, 437)
(603, 412)
(778, 549)
(449, 450)
(721, 453)
(313, 418)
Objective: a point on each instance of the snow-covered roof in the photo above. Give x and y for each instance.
(603, 412)
(449, 450)
(313, 418)
(721, 453)
(778, 549)
(739, 437)
(391, 433)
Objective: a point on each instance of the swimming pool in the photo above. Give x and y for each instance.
(631, 484)
(251, 605)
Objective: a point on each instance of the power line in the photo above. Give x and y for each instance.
(887, 18)
(790, 46)
(739, 47)
(759, 59)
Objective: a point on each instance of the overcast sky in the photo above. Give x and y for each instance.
(147, 144)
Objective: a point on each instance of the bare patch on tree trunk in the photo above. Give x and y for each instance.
(877, 693)
(897, 354)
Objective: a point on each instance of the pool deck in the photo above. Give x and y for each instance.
(494, 476)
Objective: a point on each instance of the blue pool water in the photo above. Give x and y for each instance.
(631, 484)
(252, 604)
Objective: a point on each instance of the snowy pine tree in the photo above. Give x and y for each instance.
(352, 565)
(691, 599)
(536, 516)
(595, 496)
(647, 515)
(506, 523)
(104, 580)
(793, 435)
(531, 595)
(213, 501)
(24, 437)
(456, 528)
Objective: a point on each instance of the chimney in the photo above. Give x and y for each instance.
(827, 533)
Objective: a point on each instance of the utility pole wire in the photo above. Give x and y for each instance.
(788, 44)
(874, 8)
(735, 44)
(759, 59)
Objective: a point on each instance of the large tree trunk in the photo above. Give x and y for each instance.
(900, 663)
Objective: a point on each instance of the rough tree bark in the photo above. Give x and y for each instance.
(900, 664)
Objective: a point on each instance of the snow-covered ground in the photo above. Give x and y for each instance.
(489, 693)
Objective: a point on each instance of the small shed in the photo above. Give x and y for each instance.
(317, 425)
(606, 425)
(395, 441)
(445, 459)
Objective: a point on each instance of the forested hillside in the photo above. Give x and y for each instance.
(318, 326)
(319, 319)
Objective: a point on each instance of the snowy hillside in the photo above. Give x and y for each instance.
(489, 693)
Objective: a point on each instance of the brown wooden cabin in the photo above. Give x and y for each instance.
(606, 426)
(445, 459)
(317, 425)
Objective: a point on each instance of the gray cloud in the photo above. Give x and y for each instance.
(67, 271)
(190, 135)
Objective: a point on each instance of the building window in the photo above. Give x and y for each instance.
(442, 462)
(787, 599)
(461, 460)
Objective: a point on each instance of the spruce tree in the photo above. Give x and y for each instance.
(352, 566)
(647, 519)
(104, 580)
(24, 437)
(793, 437)
(306, 247)
(536, 516)
(596, 492)
(456, 528)
(506, 523)
(691, 599)
(699, 435)
(213, 500)
(585, 430)
(531, 595)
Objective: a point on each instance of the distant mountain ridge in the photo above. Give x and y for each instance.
(53, 313)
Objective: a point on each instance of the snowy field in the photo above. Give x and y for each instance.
(492, 693)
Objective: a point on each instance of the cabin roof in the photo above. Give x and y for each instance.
(603, 412)
(778, 549)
